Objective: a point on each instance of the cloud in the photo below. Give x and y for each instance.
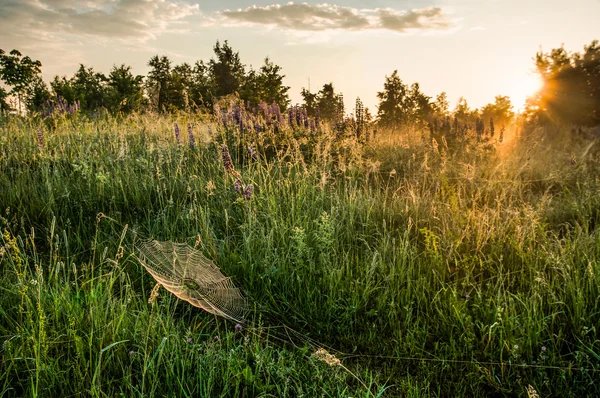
(431, 18)
(25, 22)
(322, 17)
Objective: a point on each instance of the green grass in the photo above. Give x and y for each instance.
(429, 269)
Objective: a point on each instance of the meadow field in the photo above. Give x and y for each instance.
(402, 265)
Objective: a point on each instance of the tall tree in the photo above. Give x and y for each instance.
(157, 82)
(226, 71)
(4, 105)
(310, 101)
(202, 89)
(421, 108)
(392, 110)
(89, 88)
(124, 89)
(328, 102)
(501, 111)
(441, 105)
(570, 93)
(63, 89)
(273, 91)
(18, 72)
(180, 87)
(38, 95)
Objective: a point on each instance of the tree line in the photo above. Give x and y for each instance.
(570, 94)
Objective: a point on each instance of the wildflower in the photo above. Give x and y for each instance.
(189, 340)
(237, 185)
(238, 327)
(544, 348)
(216, 339)
(227, 162)
(248, 191)
(176, 128)
(191, 136)
(131, 352)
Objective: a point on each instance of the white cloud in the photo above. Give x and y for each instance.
(24, 22)
(324, 17)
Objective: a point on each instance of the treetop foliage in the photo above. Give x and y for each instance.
(570, 93)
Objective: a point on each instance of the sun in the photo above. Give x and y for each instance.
(524, 86)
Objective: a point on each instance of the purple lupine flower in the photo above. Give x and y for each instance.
(237, 185)
(191, 136)
(40, 139)
(238, 327)
(264, 108)
(176, 128)
(248, 191)
(227, 162)
(275, 111)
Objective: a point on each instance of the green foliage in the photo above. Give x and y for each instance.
(400, 105)
(18, 72)
(226, 71)
(124, 90)
(439, 270)
(571, 91)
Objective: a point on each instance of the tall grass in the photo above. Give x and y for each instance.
(451, 268)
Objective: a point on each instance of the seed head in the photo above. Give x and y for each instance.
(322, 355)
(40, 138)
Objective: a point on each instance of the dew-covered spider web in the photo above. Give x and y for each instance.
(190, 276)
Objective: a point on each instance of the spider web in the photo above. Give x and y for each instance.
(190, 276)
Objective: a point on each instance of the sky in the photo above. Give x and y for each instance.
(472, 48)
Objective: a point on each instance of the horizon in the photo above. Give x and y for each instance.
(354, 48)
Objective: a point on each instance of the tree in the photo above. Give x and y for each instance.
(124, 91)
(441, 106)
(4, 106)
(37, 96)
(157, 82)
(392, 110)
(328, 102)
(310, 101)
(420, 107)
(18, 72)
(571, 89)
(63, 89)
(201, 91)
(180, 85)
(89, 88)
(271, 87)
(226, 71)
(501, 111)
